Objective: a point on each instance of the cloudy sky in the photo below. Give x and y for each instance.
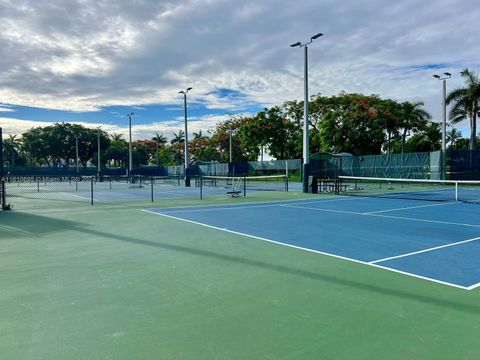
(94, 61)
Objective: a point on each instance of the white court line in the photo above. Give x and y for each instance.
(77, 196)
(384, 216)
(322, 209)
(251, 205)
(310, 250)
(425, 250)
(247, 205)
(474, 286)
(425, 220)
(15, 229)
(409, 207)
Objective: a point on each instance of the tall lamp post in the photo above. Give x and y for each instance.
(230, 144)
(446, 75)
(130, 143)
(306, 155)
(98, 153)
(76, 152)
(184, 92)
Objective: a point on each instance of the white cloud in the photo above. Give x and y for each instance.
(81, 56)
(6, 108)
(12, 126)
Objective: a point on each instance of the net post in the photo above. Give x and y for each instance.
(91, 191)
(244, 186)
(456, 190)
(286, 175)
(3, 202)
(1, 154)
(2, 180)
(151, 187)
(201, 187)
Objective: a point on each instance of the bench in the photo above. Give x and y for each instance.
(234, 193)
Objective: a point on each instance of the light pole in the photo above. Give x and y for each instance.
(306, 155)
(444, 105)
(76, 152)
(184, 92)
(230, 143)
(130, 143)
(98, 152)
(444, 78)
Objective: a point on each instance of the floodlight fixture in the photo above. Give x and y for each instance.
(448, 74)
(436, 76)
(298, 43)
(316, 36)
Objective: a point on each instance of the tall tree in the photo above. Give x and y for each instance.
(466, 103)
(429, 139)
(177, 143)
(178, 138)
(353, 125)
(198, 135)
(413, 118)
(116, 137)
(159, 139)
(54, 145)
(12, 147)
(453, 137)
(271, 128)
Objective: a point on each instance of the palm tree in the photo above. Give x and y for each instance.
(414, 117)
(178, 138)
(198, 135)
(429, 139)
(116, 137)
(159, 139)
(466, 103)
(453, 136)
(12, 147)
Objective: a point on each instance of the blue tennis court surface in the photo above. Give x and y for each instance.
(435, 241)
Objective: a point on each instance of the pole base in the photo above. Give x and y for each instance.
(306, 174)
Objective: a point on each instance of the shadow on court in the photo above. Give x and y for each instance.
(21, 224)
(468, 308)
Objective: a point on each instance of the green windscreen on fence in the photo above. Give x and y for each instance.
(403, 166)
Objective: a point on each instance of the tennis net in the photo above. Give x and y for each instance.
(242, 184)
(410, 189)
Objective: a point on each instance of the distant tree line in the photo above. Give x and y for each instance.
(353, 123)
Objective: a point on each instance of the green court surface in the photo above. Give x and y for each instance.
(111, 281)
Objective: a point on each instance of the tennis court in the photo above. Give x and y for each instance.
(92, 190)
(438, 242)
(229, 278)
